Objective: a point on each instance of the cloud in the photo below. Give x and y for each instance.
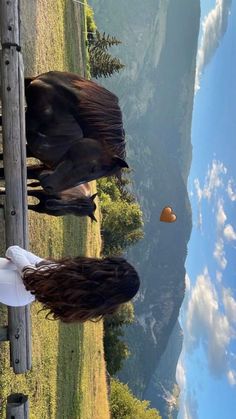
(213, 181)
(181, 373)
(205, 325)
(213, 178)
(229, 305)
(219, 253)
(187, 283)
(230, 191)
(229, 232)
(231, 375)
(219, 276)
(214, 27)
(220, 215)
(188, 406)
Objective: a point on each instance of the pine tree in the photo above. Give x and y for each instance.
(103, 64)
(103, 41)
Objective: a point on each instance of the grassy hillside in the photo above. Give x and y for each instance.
(68, 375)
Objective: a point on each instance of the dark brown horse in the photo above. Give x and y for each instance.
(76, 201)
(74, 127)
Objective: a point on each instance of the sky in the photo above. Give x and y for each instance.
(206, 371)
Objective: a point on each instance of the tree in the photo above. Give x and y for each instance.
(102, 64)
(122, 226)
(124, 405)
(103, 41)
(123, 317)
(115, 349)
(122, 223)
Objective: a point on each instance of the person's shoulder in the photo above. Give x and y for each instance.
(14, 248)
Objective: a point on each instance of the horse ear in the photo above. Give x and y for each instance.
(120, 162)
(94, 196)
(93, 218)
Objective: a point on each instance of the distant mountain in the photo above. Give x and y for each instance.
(156, 91)
(162, 390)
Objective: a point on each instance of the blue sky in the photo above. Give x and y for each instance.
(207, 368)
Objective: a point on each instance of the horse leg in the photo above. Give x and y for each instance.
(39, 194)
(37, 208)
(34, 171)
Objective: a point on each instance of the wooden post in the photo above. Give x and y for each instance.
(14, 150)
(17, 406)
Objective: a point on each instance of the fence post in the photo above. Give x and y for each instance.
(17, 406)
(14, 151)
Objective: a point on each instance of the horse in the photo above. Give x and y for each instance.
(74, 127)
(77, 201)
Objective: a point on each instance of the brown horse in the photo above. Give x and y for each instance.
(76, 201)
(74, 127)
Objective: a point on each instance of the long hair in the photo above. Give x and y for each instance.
(81, 288)
(96, 109)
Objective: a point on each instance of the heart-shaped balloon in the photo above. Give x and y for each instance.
(168, 215)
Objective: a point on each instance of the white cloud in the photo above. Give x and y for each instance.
(213, 28)
(198, 189)
(181, 374)
(229, 305)
(190, 408)
(187, 282)
(229, 232)
(219, 276)
(220, 215)
(212, 182)
(205, 325)
(231, 375)
(231, 192)
(213, 178)
(219, 253)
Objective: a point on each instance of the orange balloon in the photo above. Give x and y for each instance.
(168, 215)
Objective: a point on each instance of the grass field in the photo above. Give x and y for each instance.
(67, 380)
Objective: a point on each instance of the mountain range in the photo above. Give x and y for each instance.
(156, 92)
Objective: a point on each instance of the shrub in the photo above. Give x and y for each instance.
(124, 405)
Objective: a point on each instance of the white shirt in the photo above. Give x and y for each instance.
(12, 288)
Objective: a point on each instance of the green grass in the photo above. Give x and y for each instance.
(67, 380)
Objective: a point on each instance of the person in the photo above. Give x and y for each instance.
(71, 289)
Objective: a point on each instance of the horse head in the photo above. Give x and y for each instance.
(83, 206)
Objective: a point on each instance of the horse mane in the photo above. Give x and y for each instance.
(100, 115)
